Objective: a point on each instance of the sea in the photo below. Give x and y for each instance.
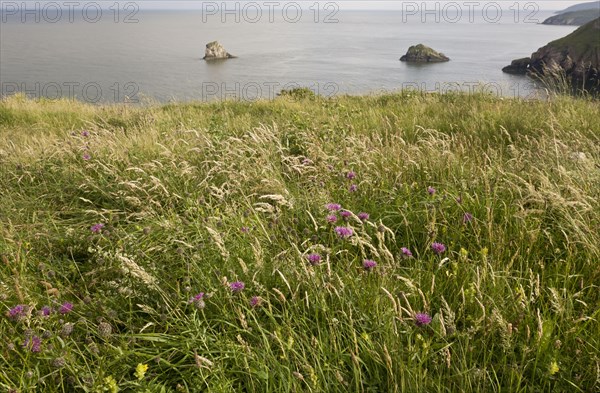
(122, 53)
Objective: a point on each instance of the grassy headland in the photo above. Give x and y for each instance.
(115, 219)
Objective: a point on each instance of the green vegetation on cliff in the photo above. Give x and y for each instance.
(585, 41)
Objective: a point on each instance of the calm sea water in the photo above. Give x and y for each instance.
(159, 57)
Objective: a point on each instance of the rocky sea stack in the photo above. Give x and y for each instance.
(215, 51)
(423, 54)
(575, 57)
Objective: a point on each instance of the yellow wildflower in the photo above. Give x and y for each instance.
(110, 385)
(140, 371)
(553, 368)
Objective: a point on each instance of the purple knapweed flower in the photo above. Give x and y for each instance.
(85, 133)
(406, 252)
(34, 344)
(65, 308)
(467, 217)
(86, 157)
(350, 175)
(244, 229)
(333, 206)
(45, 311)
(369, 264)
(97, 228)
(422, 319)
(345, 214)
(17, 312)
(331, 218)
(431, 190)
(438, 248)
(199, 296)
(343, 232)
(353, 188)
(198, 300)
(237, 286)
(314, 259)
(363, 216)
(255, 301)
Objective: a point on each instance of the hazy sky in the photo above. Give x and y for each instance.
(363, 4)
(341, 4)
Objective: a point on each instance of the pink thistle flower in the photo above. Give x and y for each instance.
(438, 248)
(422, 319)
(369, 264)
(406, 252)
(363, 216)
(34, 344)
(17, 312)
(333, 206)
(255, 301)
(467, 217)
(343, 232)
(97, 228)
(198, 301)
(65, 308)
(314, 259)
(237, 286)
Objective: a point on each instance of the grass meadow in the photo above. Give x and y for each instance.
(405, 242)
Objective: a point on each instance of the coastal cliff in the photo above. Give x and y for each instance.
(576, 56)
(576, 15)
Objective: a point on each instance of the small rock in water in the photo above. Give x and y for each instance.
(423, 54)
(215, 51)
